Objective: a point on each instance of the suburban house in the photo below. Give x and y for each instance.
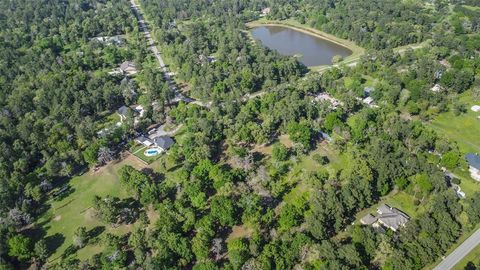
(128, 68)
(326, 97)
(475, 108)
(473, 161)
(265, 11)
(113, 40)
(388, 217)
(436, 88)
(368, 100)
(144, 140)
(162, 142)
(137, 111)
(123, 112)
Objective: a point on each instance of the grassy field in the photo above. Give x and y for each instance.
(357, 51)
(473, 256)
(73, 209)
(463, 129)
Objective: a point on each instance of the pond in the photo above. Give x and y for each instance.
(313, 51)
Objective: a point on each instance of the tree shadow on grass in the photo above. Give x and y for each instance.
(95, 232)
(156, 177)
(54, 241)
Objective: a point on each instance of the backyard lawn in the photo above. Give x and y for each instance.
(73, 209)
(463, 129)
(139, 149)
(473, 256)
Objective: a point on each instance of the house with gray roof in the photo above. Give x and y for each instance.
(123, 112)
(163, 142)
(388, 217)
(144, 140)
(473, 161)
(391, 217)
(369, 219)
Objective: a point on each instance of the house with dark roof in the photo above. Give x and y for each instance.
(388, 217)
(123, 112)
(473, 161)
(163, 142)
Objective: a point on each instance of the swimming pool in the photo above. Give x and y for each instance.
(152, 152)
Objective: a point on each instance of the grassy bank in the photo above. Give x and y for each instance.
(357, 51)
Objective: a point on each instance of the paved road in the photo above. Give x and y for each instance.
(461, 251)
(151, 43)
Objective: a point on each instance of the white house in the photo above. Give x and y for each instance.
(475, 108)
(436, 88)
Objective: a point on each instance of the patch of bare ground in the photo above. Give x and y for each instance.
(239, 232)
(266, 149)
(152, 215)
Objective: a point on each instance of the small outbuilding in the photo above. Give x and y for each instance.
(476, 108)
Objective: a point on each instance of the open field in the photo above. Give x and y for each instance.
(357, 51)
(463, 129)
(73, 209)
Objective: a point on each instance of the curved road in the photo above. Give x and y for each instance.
(461, 251)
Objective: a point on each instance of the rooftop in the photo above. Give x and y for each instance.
(123, 110)
(391, 217)
(163, 142)
(473, 160)
(368, 219)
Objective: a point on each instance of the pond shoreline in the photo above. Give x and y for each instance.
(356, 50)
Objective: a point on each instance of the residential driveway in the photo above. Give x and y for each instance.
(461, 251)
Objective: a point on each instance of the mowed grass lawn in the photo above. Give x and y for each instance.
(463, 129)
(74, 210)
(473, 256)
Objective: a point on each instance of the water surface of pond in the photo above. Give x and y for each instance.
(315, 51)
